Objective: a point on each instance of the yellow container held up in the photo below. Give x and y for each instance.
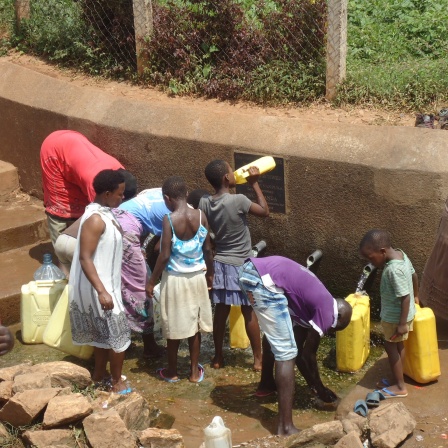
(264, 164)
(58, 333)
(238, 335)
(37, 302)
(353, 343)
(421, 362)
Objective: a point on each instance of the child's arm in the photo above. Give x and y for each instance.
(162, 259)
(259, 208)
(208, 254)
(402, 327)
(415, 287)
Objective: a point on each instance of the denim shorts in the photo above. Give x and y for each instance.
(272, 312)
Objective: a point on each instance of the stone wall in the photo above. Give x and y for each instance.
(341, 180)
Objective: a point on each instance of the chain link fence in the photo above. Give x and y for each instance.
(263, 51)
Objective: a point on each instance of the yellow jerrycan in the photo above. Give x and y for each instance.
(38, 300)
(264, 164)
(238, 335)
(353, 343)
(58, 333)
(421, 362)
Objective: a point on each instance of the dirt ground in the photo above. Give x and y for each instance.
(323, 112)
(229, 392)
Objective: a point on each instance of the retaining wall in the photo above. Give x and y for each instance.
(341, 180)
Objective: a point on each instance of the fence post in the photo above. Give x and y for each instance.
(22, 8)
(143, 26)
(336, 45)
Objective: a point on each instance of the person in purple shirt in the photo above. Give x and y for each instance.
(283, 293)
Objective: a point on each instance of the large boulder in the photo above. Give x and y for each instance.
(52, 437)
(106, 430)
(64, 374)
(325, 433)
(64, 409)
(390, 424)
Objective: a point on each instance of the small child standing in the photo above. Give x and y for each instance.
(399, 293)
(185, 254)
(227, 215)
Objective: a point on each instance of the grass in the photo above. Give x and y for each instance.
(397, 54)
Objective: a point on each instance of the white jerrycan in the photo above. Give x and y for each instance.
(217, 435)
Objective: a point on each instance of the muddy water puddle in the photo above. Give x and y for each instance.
(227, 392)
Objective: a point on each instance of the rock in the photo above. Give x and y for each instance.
(64, 409)
(161, 438)
(354, 422)
(28, 381)
(5, 391)
(160, 419)
(52, 437)
(350, 440)
(134, 411)
(64, 374)
(4, 435)
(390, 424)
(106, 429)
(24, 407)
(8, 373)
(326, 433)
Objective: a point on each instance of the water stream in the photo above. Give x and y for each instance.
(368, 269)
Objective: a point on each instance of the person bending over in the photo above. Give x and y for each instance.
(282, 291)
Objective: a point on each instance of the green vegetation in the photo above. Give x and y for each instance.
(268, 52)
(397, 53)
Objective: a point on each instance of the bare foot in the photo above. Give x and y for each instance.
(217, 363)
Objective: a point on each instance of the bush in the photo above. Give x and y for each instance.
(219, 50)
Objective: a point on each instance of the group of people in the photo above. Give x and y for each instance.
(98, 239)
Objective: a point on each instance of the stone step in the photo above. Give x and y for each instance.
(9, 179)
(22, 222)
(17, 267)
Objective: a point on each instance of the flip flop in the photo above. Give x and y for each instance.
(264, 393)
(201, 374)
(164, 378)
(383, 382)
(361, 408)
(389, 394)
(373, 398)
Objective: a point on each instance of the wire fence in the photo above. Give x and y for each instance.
(229, 49)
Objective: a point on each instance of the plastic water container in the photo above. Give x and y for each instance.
(264, 164)
(217, 435)
(238, 335)
(48, 270)
(58, 332)
(37, 303)
(353, 343)
(421, 362)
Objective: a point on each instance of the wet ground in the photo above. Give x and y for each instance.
(226, 392)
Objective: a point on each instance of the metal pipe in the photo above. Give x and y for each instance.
(315, 256)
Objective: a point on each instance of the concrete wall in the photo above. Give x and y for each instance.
(341, 180)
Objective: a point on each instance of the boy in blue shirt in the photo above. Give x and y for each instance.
(399, 293)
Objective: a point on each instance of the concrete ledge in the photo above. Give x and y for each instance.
(341, 180)
(22, 224)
